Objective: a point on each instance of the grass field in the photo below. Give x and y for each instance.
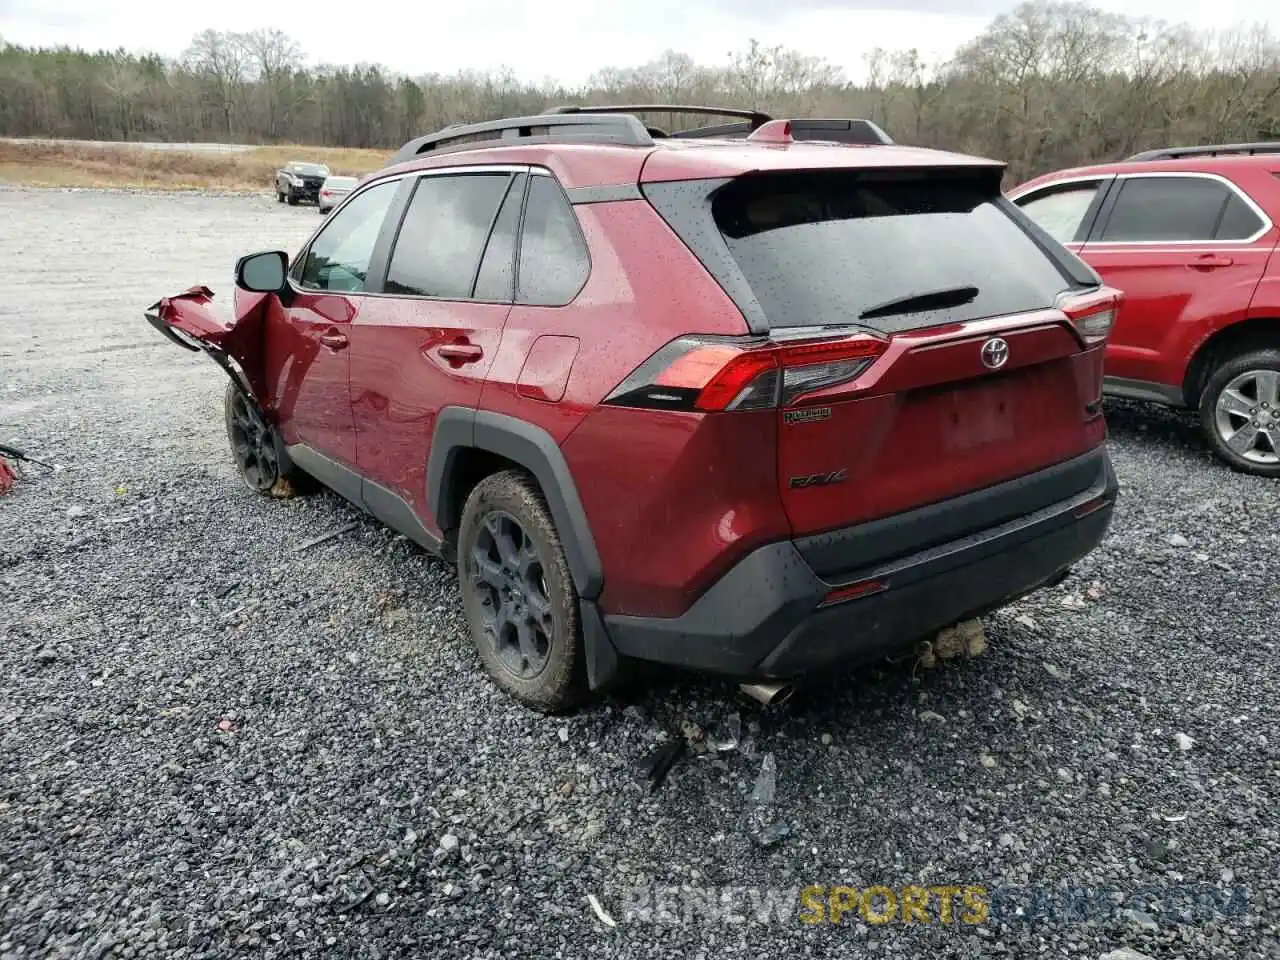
(69, 164)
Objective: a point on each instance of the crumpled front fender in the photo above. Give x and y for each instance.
(188, 320)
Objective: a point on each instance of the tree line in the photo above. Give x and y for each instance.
(1050, 84)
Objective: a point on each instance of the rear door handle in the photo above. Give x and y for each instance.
(460, 352)
(1211, 260)
(334, 340)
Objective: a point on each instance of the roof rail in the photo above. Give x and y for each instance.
(720, 130)
(1209, 150)
(754, 118)
(578, 127)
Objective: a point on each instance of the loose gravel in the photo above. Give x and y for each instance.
(214, 744)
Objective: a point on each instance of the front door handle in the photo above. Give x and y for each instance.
(1211, 261)
(459, 353)
(334, 340)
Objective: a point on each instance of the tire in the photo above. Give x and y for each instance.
(258, 452)
(293, 200)
(1241, 401)
(527, 592)
(279, 196)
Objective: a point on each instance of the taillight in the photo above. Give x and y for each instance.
(1093, 313)
(733, 373)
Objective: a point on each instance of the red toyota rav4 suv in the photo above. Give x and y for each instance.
(757, 399)
(1189, 234)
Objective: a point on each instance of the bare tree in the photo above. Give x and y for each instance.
(221, 59)
(1051, 83)
(272, 58)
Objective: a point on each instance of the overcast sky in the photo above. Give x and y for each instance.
(558, 39)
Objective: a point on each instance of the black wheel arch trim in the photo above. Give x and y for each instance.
(458, 429)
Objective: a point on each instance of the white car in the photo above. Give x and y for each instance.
(333, 190)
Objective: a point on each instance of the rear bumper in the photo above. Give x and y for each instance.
(766, 617)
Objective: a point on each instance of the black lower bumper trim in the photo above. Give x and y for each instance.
(835, 553)
(763, 619)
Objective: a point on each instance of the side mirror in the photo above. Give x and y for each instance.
(262, 272)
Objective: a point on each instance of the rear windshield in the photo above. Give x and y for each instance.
(907, 251)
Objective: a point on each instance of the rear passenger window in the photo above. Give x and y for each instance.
(553, 255)
(1239, 221)
(1060, 211)
(437, 251)
(1168, 209)
(498, 268)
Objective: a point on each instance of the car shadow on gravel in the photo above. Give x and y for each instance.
(1159, 427)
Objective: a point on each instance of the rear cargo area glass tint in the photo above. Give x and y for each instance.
(822, 248)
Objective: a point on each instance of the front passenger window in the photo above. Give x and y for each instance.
(338, 258)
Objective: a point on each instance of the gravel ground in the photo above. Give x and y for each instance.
(212, 742)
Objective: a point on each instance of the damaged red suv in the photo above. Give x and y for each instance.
(760, 399)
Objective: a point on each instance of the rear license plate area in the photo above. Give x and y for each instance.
(977, 415)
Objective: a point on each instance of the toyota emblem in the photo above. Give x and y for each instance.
(995, 353)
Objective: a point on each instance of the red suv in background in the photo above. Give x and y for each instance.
(1189, 235)
(758, 399)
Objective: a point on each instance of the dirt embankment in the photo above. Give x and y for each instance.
(38, 163)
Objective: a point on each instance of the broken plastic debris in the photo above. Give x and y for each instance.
(599, 911)
(728, 735)
(1124, 953)
(774, 833)
(324, 537)
(659, 763)
(766, 782)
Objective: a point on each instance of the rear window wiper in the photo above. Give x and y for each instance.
(931, 300)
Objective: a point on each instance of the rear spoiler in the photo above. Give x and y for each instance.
(854, 131)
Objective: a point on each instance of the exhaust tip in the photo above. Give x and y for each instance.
(770, 694)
